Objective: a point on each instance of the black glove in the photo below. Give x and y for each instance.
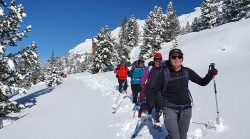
(151, 63)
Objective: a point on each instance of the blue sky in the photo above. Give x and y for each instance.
(60, 25)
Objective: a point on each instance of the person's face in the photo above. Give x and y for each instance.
(157, 64)
(176, 60)
(141, 64)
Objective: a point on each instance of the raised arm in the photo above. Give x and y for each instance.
(194, 77)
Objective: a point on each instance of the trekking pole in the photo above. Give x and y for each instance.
(212, 66)
(117, 98)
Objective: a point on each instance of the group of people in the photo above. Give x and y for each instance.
(163, 85)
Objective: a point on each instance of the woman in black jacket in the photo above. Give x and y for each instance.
(176, 98)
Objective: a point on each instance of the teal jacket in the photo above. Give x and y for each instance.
(136, 74)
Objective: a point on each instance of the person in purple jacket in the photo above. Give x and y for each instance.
(147, 81)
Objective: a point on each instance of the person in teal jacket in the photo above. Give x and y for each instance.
(136, 73)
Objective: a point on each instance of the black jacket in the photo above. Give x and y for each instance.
(176, 88)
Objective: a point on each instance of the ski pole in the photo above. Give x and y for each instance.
(212, 66)
(117, 98)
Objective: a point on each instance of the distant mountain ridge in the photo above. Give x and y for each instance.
(86, 46)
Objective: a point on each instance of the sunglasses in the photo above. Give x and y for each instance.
(174, 57)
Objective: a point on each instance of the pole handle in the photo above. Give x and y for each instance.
(212, 66)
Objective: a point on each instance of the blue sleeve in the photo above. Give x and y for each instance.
(131, 71)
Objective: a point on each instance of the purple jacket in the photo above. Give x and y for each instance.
(149, 76)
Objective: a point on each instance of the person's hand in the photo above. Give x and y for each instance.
(213, 72)
(151, 63)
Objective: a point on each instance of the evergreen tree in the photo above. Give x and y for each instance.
(209, 12)
(196, 25)
(188, 28)
(27, 64)
(243, 8)
(133, 33)
(233, 10)
(153, 33)
(54, 74)
(182, 30)
(115, 57)
(105, 46)
(37, 74)
(10, 33)
(74, 64)
(246, 8)
(228, 12)
(88, 61)
(122, 48)
(175, 43)
(172, 24)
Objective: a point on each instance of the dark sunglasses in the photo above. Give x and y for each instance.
(174, 57)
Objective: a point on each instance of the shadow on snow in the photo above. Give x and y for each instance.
(153, 132)
(31, 99)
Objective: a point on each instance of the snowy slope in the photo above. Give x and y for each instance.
(189, 17)
(82, 48)
(81, 107)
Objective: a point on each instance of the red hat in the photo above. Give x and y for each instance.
(157, 57)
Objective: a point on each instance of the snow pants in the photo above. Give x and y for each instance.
(142, 95)
(123, 85)
(136, 88)
(177, 122)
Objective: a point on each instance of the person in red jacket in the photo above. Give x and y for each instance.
(122, 73)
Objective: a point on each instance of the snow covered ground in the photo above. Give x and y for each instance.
(81, 107)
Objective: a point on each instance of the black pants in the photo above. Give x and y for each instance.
(123, 85)
(136, 88)
(153, 100)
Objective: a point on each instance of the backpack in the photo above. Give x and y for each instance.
(122, 72)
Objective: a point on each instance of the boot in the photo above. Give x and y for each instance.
(142, 109)
(157, 116)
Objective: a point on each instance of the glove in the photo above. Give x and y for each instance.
(151, 63)
(213, 71)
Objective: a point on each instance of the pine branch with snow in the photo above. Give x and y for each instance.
(10, 20)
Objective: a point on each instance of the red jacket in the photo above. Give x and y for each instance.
(121, 72)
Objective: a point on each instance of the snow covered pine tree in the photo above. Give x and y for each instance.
(10, 18)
